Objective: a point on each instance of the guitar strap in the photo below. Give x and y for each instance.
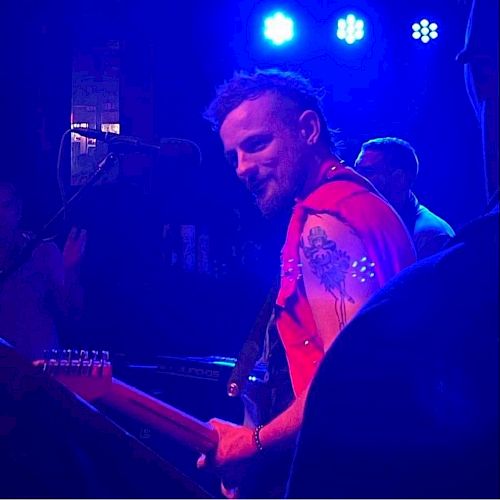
(252, 347)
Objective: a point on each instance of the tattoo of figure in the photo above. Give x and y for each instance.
(330, 265)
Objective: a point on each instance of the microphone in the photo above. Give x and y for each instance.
(170, 147)
(123, 143)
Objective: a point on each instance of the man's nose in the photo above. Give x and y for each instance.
(246, 167)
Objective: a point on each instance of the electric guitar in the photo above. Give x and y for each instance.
(89, 375)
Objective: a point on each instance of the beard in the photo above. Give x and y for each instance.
(279, 197)
(278, 208)
(272, 206)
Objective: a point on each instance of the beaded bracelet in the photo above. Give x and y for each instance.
(256, 437)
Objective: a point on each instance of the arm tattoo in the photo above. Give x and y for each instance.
(330, 265)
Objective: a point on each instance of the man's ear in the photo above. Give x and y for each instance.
(310, 126)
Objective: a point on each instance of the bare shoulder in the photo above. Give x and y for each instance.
(336, 273)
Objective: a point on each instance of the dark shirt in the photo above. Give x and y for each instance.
(430, 233)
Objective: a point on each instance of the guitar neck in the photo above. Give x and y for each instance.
(160, 416)
(90, 377)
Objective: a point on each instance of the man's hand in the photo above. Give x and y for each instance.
(74, 248)
(236, 446)
(236, 443)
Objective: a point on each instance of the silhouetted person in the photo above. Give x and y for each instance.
(43, 289)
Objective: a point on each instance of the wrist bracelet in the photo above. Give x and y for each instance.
(256, 437)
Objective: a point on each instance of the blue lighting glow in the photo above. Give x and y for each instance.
(278, 28)
(424, 31)
(350, 29)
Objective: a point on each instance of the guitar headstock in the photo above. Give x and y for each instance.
(87, 373)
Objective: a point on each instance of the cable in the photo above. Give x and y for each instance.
(60, 180)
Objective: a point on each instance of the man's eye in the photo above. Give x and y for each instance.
(257, 144)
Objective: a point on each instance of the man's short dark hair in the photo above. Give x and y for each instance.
(245, 86)
(398, 152)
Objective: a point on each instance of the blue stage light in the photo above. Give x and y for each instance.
(350, 29)
(278, 28)
(424, 31)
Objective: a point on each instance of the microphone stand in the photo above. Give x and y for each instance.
(27, 251)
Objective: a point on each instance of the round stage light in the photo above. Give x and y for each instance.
(278, 28)
(425, 31)
(350, 29)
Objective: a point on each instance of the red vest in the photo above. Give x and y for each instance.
(350, 197)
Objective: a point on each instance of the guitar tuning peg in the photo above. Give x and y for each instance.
(106, 364)
(52, 361)
(75, 362)
(46, 359)
(85, 362)
(65, 360)
(95, 363)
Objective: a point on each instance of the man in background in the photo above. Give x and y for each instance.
(391, 165)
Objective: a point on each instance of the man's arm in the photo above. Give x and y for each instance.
(237, 443)
(63, 271)
(338, 280)
(338, 275)
(72, 292)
